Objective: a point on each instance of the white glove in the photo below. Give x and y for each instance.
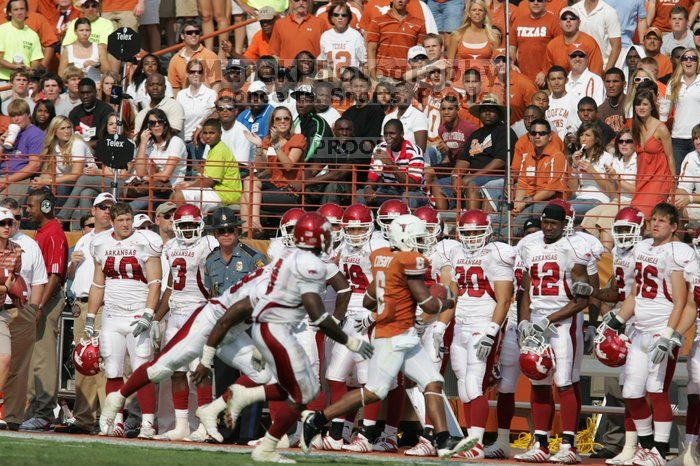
(90, 326)
(524, 331)
(143, 323)
(662, 346)
(543, 329)
(438, 335)
(361, 325)
(581, 289)
(360, 347)
(155, 334)
(485, 344)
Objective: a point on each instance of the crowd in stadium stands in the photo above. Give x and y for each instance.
(337, 101)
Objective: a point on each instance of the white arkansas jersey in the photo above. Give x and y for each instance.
(596, 249)
(439, 257)
(518, 272)
(251, 286)
(476, 275)
(653, 268)
(275, 248)
(623, 272)
(549, 267)
(354, 263)
(123, 263)
(186, 264)
(294, 273)
(342, 49)
(692, 276)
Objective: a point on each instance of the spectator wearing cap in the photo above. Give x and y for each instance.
(415, 123)
(164, 222)
(521, 87)
(233, 133)
(100, 28)
(91, 114)
(80, 271)
(256, 116)
(22, 161)
(582, 82)
(389, 37)
(633, 16)
(600, 21)
(235, 77)
(197, 101)
(142, 222)
(23, 327)
(155, 87)
(260, 43)
(313, 127)
(680, 35)
(19, 79)
(299, 30)
(20, 46)
(652, 48)
(232, 260)
(570, 39)
(193, 49)
(220, 181)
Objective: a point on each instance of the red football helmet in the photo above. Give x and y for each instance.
(628, 227)
(313, 232)
(86, 356)
(289, 219)
(611, 349)
(334, 214)
(432, 220)
(570, 215)
(188, 221)
(473, 230)
(536, 358)
(358, 217)
(388, 211)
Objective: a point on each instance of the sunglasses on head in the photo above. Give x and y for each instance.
(690, 58)
(90, 225)
(153, 123)
(538, 133)
(192, 32)
(7, 223)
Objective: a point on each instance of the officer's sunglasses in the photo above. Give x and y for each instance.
(226, 230)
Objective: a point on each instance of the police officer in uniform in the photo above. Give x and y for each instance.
(232, 260)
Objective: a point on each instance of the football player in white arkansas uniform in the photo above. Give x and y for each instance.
(353, 261)
(548, 309)
(482, 274)
(237, 350)
(127, 281)
(185, 255)
(627, 231)
(658, 302)
(508, 363)
(293, 291)
(387, 212)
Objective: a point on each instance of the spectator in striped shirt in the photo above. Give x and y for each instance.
(396, 170)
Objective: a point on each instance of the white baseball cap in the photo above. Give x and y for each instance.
(416, 51)
(104, 197)
(6, 214)
(140, 219)
(257, 86)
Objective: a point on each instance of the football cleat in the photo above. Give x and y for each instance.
(147, 430)
(497, 451)
(260, 454)
(649, 458)
(240, 398)
(331, 444)
(359, 444)
(113, 403)
(567, 454)
(309, 431)
(385, 444)
(283, 443)
(178, 433)
(208, 417)
(117, 430)
(424, 447)
(536, 454)
(474, 453)
(455, 445)
(625, 456)
(200, 435)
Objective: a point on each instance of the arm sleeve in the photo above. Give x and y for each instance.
(412, 263)
(37, 51)
(39, 275)
(57, 260)
(372, 32)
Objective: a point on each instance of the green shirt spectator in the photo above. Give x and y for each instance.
(221, 166)
(20, 46)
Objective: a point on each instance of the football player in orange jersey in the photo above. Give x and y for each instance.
(398, 288)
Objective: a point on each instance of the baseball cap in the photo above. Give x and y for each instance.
(653, 30)
(266, 13)
(165, 207)
(417, 51)
(569, 10)
(577, 47)
(303, 89)
(500, 52)
(532, 222)
(6, 214)
(104, 197)
(257, 86)
(234, 63)
(140, 220)
(223, 217)
(554, 212)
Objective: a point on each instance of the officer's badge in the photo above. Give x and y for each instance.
(239, 266)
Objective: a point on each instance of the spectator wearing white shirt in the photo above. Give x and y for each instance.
(23, 327)
(148, 65)
(197, 101)
(680, 35)
(688, 191)
(581, 81)
(600, 20)
(20, 90)
(561, 112)
(341, 46)
(324, 98)
(415, 123)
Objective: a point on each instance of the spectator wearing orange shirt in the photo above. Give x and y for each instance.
(388, 39)
(376, 8)
(652, 47)
(521, 87)
(123, 13)
(530, 34)
(553, 6)
(260, 44)
(572, 37)
(296, 32)
(194, 49)
(659, 11)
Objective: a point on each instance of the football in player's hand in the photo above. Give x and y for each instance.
(438, 291)
(18, 290)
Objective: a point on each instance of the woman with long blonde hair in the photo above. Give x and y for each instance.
(473, 43)
(683, 96)
(65, 156)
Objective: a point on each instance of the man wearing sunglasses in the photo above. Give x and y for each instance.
(581, 81)
(194, 49)
(572, 36)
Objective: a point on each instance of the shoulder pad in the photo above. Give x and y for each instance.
(682, 254)
(309, 266)
(152, 240)
(412, 263)
(505, 252)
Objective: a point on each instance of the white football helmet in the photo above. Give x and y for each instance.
(409, 233)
